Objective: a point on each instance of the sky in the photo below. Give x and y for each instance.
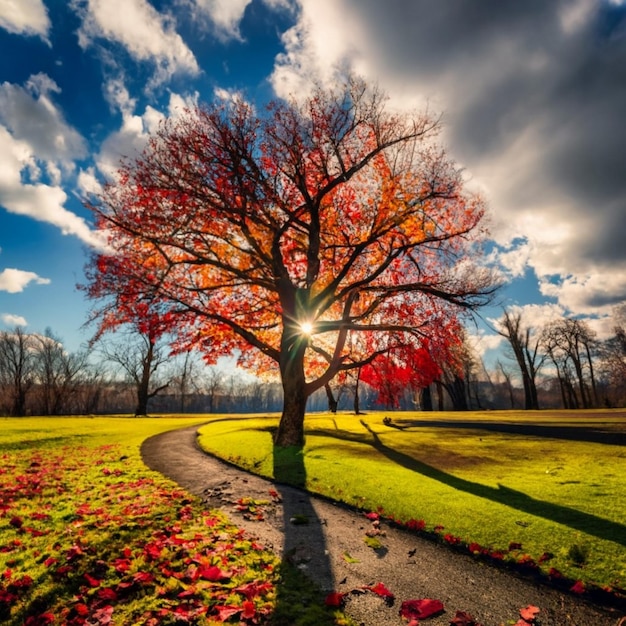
(532, 96)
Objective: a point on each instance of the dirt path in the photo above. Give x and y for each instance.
(331, 549)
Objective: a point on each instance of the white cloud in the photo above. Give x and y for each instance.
(533, 316)
(225, 15)
(39, 201)
(318, 44)
(87, 182)
(596, 291)
(131, 138)
(146, 34)
(13, 320)
(35, 139)
(25, 17)
(116, 94)
(482, 342)
(14, 280)
(30, 115)
(532, 95)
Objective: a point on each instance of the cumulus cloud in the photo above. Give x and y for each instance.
(224, 15)
(130, 139)
(35, 141)
(146, 34)
(533, 95)
(14, 280)
(30, 114)
(13, 320)
(25, 17)
(533, 316)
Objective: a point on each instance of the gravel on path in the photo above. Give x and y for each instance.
(330, 548)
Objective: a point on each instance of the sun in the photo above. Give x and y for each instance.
(306, 328)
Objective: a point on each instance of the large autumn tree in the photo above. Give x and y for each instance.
(291, 235)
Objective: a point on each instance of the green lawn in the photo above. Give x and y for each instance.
(90, 535)
(546, 488)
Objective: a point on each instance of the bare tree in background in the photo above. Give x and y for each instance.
(140, 356)
(17, 369)
(525, 348)
(59, 374)
(569, 343)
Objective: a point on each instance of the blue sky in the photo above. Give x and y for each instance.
(533, 97)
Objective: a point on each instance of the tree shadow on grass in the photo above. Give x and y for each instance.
(592, 434)
(306, 572)
(573, 518)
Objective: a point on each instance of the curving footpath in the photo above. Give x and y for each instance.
(329, 546)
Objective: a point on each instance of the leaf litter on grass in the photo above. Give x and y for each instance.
(126, 546)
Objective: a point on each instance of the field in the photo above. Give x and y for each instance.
(543, 490)
(90, 536)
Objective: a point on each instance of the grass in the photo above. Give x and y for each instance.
(544, 489)
(89, 535)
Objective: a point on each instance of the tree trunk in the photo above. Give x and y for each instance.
(332, 403)
(143, 384)
(357, 406)
(427, 399)
(290, 430)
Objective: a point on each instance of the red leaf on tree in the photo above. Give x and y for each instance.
(93, 582)
(421, 609)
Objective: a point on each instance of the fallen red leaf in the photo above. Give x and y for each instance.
(529, 613)
(420, 609)
(578, 587)
(380, 590)
(226, 612)
(463, 619)
(249, 611)
(107, 594)
(212, 573)
(334, 598)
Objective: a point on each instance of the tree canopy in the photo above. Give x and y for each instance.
(309, 238)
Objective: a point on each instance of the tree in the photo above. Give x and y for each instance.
(569, 344)
(283, 234)
(525, 348)
(613, 363)
(59, 374)
(139, 356)
(17, 369)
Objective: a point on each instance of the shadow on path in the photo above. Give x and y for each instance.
(573, 518)
(304, 536)
(304, 544)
